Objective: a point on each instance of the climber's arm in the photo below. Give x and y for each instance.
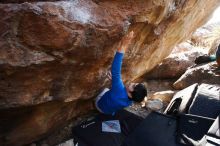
(117, 62)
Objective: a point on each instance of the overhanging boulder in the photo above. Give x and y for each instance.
(204, 73)
(61, 51)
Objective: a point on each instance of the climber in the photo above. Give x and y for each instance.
(207, 58)
(119, 96)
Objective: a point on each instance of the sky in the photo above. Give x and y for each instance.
(216, 16)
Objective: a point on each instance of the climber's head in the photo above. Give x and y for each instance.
(136, 91)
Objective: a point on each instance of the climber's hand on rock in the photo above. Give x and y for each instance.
(202, 59)
(125, 42)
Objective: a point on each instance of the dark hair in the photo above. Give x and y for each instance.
(139, 92)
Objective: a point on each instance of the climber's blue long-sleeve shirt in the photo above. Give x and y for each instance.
(116, 98)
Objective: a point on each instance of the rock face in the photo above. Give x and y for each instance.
(203, 41)
(154, 105)
(55, 55)
(205, 73)
(174, 65)
(22, 1)
(20, 126)
(207, 36)
(165, 96)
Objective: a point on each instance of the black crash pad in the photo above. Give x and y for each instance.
(89, 133)
(155, 130)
